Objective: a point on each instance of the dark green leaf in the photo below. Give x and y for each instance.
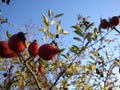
(58, 15)
(89, 26)
(8, 34)
(50, 12)
(78, 32)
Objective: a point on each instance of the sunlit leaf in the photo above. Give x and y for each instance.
(43, 39)
(64, 32)
(93, 67)
(116, 61)
(58, 28)
(50, 34)
(42, 30)
(45, 21)
(53, 22)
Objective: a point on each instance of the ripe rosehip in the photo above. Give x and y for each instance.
(17, 42)
(33, 48)
(47, 52)
(114, 21)
(5, 51)
(41, 68)
(104, 24)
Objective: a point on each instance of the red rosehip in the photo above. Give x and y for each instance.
(41, 68)
(33, 48)
(5, 51)
(114, 21)
(47, 52)
(104, 24)
(17, 42)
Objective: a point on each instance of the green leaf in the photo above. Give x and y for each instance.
(42, 30)
(95, 34)
(75, 27)
(50, 12)
(92, 57)
(89, 26)
(43, 39)
(8, 34)
(116, 61)
(64, 32)
(93, 67)
(88, 36)
(50, 34)
(74, 49)
(64, 56)
(101, 58)
(107, 55)
(53, 22)
(77, 38)
(45, 21)
(58, 15)
(58, 28)
(78, 32)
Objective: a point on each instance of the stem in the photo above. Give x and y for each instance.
(31, 71)
(82, 49)
(34, 76)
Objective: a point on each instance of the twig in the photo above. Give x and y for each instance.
(27, 66)
(66, 68)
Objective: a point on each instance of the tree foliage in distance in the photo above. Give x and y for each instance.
(91, 63)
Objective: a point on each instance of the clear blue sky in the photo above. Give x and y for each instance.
(20, 11)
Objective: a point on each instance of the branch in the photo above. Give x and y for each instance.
(27, 66)
(82, 49)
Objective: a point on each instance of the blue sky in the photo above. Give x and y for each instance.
(20, 11)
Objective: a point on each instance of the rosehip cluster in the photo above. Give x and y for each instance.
(17, 43)
(113, 22)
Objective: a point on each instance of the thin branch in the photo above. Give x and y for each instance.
(82, 49)
(27, 66)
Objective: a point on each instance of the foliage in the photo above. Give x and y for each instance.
(89, 65)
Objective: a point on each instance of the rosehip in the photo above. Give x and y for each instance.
(17, 42)
(41, 68)
(114, 21)
(104, 24)
(5, 51)
(47, 51)
(33, 48)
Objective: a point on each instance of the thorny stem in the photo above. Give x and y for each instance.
(33, 74)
